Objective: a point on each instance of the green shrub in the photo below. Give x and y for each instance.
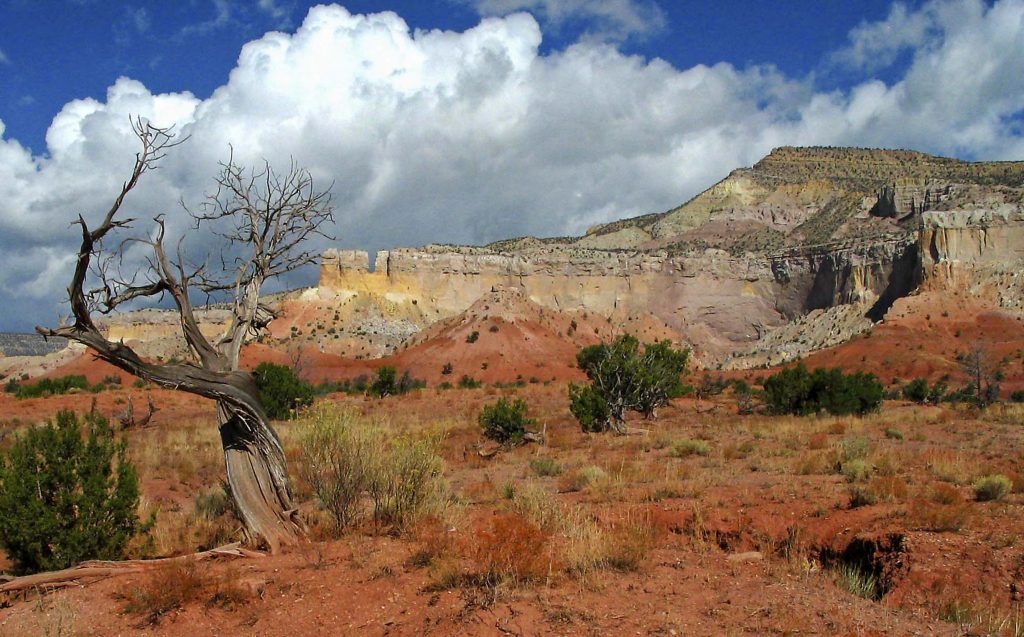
(893, 434)
(282, 393)
(65, 498)
(215, 502)
(406, 383)
(545, 467)
(798, 391)
(48, 386)
(919, 391)
(861, 496)
(858, 581)
(505, 421)
(852, 448)
(992, 488)
(622, 378)
(385, 384)
(473, 336)
(1017, 396)
(337, 454)
(468, 382)
(687, 447)
(406, 479)
(388, 383)
(589, 407)
(583, 477)
(856, 470)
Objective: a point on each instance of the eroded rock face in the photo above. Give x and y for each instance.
(803, 250)
(713, 299)
(978, 251)
(801, 233)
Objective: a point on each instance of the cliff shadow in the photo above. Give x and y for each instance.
(904, 277)
(828, 280)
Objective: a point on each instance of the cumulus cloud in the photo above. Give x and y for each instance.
(615, 20)
(436, 136)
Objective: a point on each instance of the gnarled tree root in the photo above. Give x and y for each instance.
(96, 570)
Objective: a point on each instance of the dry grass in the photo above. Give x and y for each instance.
(508, 549)
(584, 509)
(174, 585)
(950, 466)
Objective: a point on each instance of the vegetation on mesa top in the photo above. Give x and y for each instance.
(875, 165)
(854, 170)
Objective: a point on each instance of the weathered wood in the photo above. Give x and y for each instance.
(95, 570)
(272, 215)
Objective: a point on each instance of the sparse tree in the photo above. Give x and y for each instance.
(264, 218)
(983, 373)
(624, 378)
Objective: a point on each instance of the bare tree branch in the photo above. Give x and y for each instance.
(268, 216)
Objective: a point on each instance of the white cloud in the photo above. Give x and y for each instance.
(614, 20)
(3, 58)
(280, 13)
(141, 20)
(222, 16)
(475, 136)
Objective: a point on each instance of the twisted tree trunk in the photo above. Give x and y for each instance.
(258, 476)
(270, 213)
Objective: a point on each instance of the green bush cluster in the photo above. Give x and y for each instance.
(282, 393)
(353, 386)
(65, 497)
(389, 383)
(624, 378)
(61, 385)
(919, 391)
(505, 421)
(799, 391)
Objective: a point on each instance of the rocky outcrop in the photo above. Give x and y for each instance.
(712, 298)
(156, 333)
(804, 249)
(979, 251)
(767, 250)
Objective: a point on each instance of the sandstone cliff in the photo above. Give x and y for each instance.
(803, 250)
(748, 268)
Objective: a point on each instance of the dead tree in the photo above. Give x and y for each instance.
(264, 218)
(128, 419)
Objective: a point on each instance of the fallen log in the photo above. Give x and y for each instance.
(95, 570)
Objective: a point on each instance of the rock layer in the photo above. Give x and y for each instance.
(803, 250)
(802, 232)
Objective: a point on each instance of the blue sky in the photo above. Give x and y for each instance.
(467, 121)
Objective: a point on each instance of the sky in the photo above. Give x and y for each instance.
(467, 121)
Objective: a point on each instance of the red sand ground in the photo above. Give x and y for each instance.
(707, 511)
